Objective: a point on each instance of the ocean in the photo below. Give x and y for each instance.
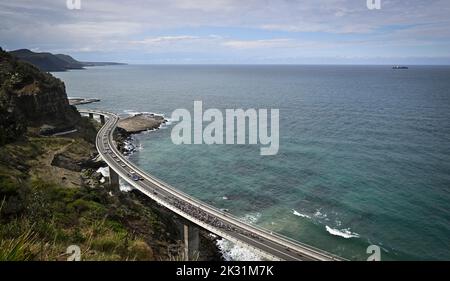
(364, 156)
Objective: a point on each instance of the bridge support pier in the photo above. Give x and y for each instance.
(113, 178)
(102, 119)
(91, 115)
(186, 242)
(191, 241)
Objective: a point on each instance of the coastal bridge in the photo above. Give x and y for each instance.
(269, 245)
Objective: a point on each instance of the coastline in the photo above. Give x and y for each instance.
(216, 247)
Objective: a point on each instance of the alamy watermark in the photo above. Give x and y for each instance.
(236, 123)
(375, 253)
(374, 4)
(75, 253)
(73, 4)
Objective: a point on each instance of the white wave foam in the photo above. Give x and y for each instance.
(233, 252)
(318, 214)
(345, 233)
(148, 131)
(129, 146)
(300, 214)
(124, 186)
(251, 218)
(133, 112)
(139, 146)
(104, 171)
(168, 123)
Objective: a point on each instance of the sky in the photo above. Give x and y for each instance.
(232, 31)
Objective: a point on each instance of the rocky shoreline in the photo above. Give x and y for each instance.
(135, 124)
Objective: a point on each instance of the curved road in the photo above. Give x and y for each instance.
(270, 245)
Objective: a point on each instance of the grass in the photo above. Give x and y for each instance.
(17, 249)
(39, 218)
(20, 248)
(181, 256)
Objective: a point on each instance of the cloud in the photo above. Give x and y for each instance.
(258, 44)
(105, 29)
(206, 5)
(165, 39)
(225, 28)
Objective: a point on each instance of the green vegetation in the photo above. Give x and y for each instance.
(50, 194)
(54, 62)
(39, 218)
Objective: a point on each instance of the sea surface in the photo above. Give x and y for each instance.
(364, 154)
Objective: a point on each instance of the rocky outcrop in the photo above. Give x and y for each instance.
(65, 162)
(46, 103)
(141, 122)
(79, 101)
(68, 162)
(29, 97)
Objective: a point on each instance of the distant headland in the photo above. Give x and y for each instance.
(55, 62)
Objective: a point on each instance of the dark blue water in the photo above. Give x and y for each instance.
(364, 150)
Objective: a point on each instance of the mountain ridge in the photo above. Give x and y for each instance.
(47, 61)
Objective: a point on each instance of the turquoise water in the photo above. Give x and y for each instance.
(364, 150)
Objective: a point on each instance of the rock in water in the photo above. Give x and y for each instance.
(141, 122)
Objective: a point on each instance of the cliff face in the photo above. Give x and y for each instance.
(43, 102)
(29, 97)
